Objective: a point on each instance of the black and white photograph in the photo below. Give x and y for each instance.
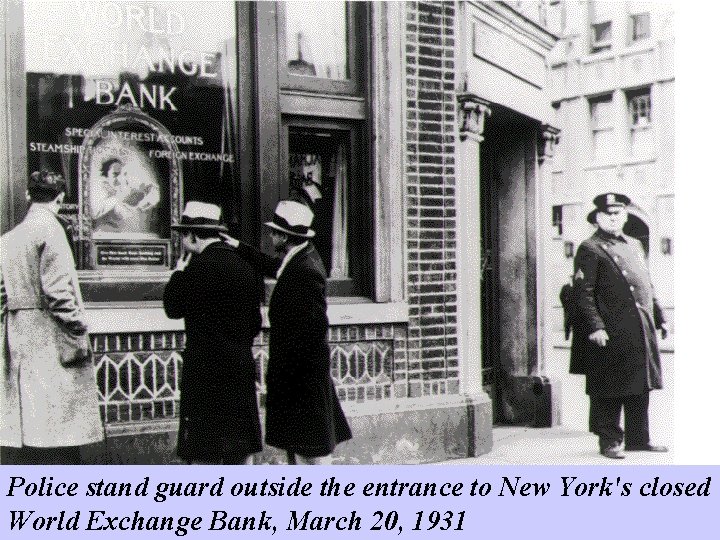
(328, 232)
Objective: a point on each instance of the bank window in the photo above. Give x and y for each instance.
(114, 94)
(326, 172)
(319, 45)
(316, 40)
(602, 127)
(640, 26)
(321, 115)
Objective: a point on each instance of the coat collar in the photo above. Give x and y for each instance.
(290, 255)
(607, 237)
(41, 209)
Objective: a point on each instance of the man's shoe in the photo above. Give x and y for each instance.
(647, 448)
(613, 452)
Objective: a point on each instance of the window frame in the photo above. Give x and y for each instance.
(354, 84)
(143, 286)
(596, 128)
(323, 104)
(593, 101)
(258, 164)
(359, 282)
(633, 95)
(557, 220)
(600, 45)
(634, 18)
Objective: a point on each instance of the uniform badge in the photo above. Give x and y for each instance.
(579, 276)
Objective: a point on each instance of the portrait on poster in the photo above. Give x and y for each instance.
(124, 194)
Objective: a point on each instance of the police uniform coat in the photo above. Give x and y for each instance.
(614, 292)
(218, 294)
(303, 412)
(44, 402)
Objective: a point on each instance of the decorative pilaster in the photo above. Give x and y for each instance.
(473, 111)
(546, 391)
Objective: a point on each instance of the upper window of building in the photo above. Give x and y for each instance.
(602, 127)
(601, 19)
(557, 219)
(640, 26)
(601, 112)
(639, 108)
(601, 36)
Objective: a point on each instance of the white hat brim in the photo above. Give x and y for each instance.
(273, 225)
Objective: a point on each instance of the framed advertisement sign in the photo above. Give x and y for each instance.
(128, 197)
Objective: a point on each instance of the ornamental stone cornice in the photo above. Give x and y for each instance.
(549, 137)
(473, 110)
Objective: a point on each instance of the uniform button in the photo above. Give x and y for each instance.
(615, 258)
(638, 304)
(632, 288)
(624, 272)
(605, 246)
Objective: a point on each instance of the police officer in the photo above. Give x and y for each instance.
(614, 341)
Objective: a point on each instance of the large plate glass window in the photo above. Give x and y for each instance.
(134, 103)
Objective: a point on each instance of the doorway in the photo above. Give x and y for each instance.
(508, 285)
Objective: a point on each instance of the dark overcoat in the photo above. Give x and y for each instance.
(303, 412)
(218, 294)
(614, 292)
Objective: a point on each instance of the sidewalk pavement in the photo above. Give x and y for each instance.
(553, 446)
(571, 443)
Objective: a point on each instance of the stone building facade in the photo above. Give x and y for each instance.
(431, 129)
(612, 86)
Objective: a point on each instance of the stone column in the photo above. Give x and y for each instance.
(547, 139)
(472, 111)
(548, 402)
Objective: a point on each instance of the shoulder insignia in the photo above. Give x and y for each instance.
(579, 276)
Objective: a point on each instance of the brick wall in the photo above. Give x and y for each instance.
(430, 171)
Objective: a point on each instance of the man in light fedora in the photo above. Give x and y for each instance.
(615, 319)
(218, 293)
(303, 412)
